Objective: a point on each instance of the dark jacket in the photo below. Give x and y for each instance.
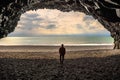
(62, 51)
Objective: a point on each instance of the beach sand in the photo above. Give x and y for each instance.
(42, 63)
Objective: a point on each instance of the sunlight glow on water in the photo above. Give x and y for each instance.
(54, 40)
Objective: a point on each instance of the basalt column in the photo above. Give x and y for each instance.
(115, 33)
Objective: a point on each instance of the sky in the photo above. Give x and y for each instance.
(55, 22)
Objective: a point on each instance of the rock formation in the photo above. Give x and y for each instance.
(107, 12)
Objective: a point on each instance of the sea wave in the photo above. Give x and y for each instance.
(57, 44)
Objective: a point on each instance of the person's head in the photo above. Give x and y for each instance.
(62, 45)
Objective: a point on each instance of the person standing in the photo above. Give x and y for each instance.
(62, 52)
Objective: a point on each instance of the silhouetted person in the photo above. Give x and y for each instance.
(62, 52)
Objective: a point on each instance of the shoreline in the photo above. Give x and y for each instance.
(50, 48)
(56, 45)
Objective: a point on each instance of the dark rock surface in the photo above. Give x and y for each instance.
(107, 12)
(49, 69)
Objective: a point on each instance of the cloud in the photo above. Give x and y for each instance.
(55, 22)
(51, 26)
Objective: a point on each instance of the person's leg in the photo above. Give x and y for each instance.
(63, 57)
(60, 58)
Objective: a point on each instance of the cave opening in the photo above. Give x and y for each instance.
(52, 26)
(10, 12)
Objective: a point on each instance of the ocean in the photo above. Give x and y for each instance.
(59, 39)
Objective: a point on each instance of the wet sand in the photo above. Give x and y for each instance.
(42, 63)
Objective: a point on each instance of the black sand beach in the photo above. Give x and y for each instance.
(94, 64)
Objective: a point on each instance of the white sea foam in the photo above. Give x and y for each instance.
(58, 40)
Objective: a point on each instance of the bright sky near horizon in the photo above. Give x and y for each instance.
(55, 22)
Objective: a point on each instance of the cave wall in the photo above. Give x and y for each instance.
(107, 12)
